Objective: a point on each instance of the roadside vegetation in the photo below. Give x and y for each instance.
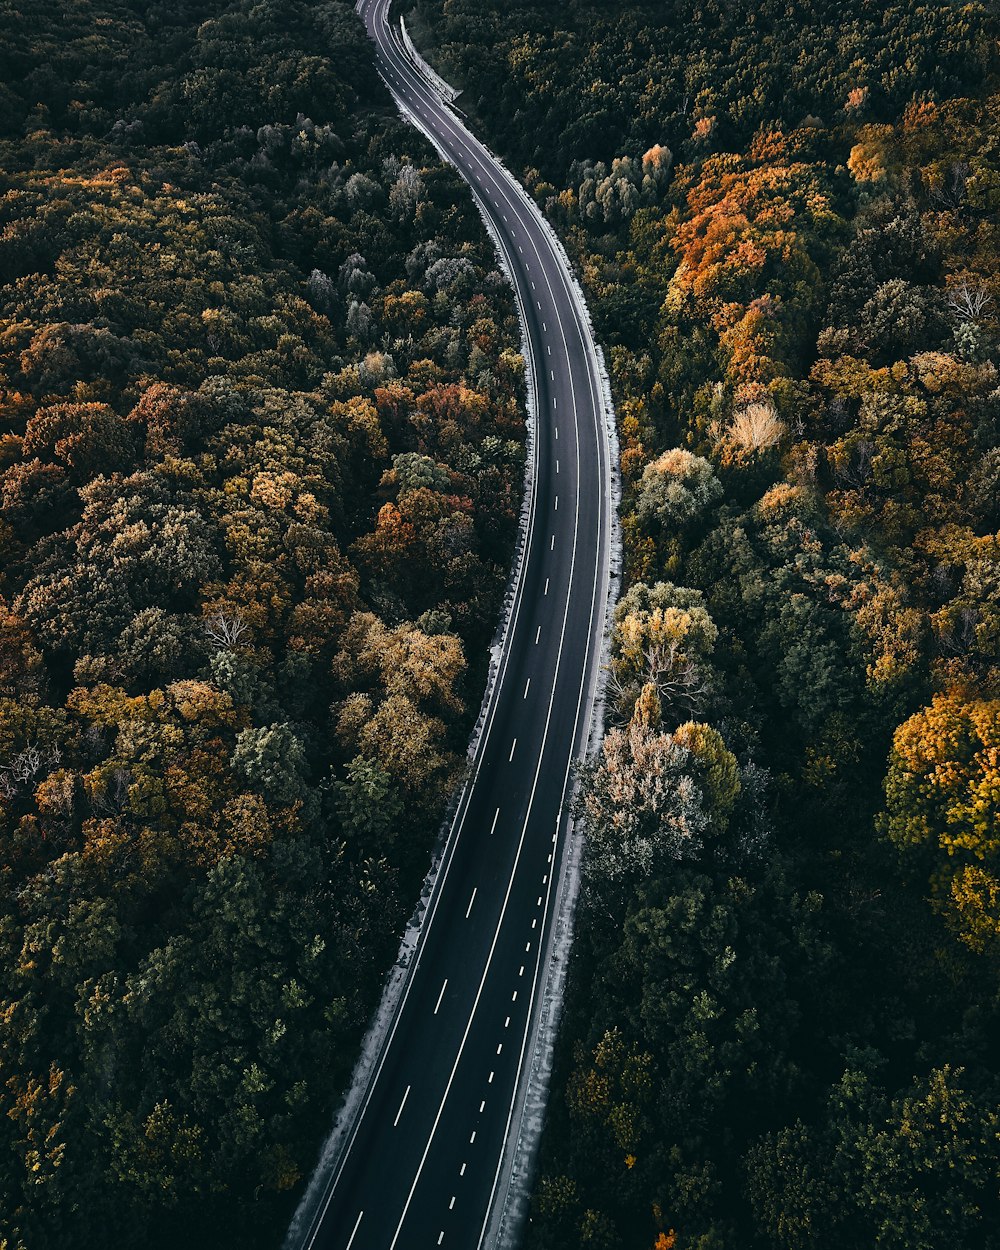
(783, 1026)
(261, 460)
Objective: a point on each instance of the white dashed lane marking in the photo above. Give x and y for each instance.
(434, 118)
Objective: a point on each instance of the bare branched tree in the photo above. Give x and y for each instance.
(681, 685)
(226, 630)
(25, 766)
(969, 301)
(755, 428)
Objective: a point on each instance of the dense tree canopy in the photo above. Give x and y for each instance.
(260, 467)
(782, 1023)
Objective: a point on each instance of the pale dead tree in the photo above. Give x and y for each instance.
(755, 428)
(969, 301)
(25, 766)
(681, 685)
(226, 630)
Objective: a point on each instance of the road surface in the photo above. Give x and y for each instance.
(422, 1166)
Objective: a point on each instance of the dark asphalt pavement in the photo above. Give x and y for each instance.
(422, 1166)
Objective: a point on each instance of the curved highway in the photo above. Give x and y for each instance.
(422, 1163)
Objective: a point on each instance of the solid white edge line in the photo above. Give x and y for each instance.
(342, 1148)
(603, 447)
(602, 574)
(517, 857)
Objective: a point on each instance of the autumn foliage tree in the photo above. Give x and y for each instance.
(261, 459)
(799, 309)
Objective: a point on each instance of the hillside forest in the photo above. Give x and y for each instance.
(261, 461)
(783, 1022)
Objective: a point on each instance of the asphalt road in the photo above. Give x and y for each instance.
(422, 1167)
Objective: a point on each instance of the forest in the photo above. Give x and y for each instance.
(783, 1021)
(261, 462)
